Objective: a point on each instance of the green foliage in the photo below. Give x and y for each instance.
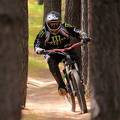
(36, 66)
(35, 20)
(36, 63)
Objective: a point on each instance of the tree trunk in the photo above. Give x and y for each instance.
(73, 12)
(40, 2)
(24, 53)
(90, 18)
(51, 5)
(84, 15)
(73, 16)
(105, 60)
(84, 48)
(14, 57)
(88, 87)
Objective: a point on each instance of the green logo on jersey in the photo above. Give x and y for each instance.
(68, 25)
(56, 40)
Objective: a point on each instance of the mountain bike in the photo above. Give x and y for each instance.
(72, 78)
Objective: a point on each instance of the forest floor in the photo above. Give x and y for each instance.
(44, 103)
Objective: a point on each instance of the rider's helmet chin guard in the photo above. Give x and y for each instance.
(53, 21)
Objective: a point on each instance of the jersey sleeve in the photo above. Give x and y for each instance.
(39, 40)
(73, 31)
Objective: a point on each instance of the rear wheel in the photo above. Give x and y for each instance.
(79, 88)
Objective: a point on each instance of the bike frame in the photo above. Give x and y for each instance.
(69, 64)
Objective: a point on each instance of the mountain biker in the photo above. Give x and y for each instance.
(55, 35)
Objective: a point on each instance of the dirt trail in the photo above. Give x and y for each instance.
(44, 100)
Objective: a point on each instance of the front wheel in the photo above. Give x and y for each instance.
(71, 100)
(70, 96)
(79, 88)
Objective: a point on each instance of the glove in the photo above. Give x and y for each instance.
(85, 38)
(39, 50)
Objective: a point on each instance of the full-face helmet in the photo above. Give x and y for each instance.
(53, 21)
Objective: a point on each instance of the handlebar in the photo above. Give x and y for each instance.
(63, 50)
(66, 49)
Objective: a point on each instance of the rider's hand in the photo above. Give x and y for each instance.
(39, 50)
(86, 40)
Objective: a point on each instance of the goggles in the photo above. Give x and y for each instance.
(54, 24)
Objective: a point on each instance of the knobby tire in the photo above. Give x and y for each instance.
(70, 96)
(78, 85)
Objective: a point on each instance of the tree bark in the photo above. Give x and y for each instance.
(84, 48)
(73, 12)
(40, 2)
(51, 5)
(105, 60)
(24, 54)
(73, 17)
(90, 18)
(88, 87)
(13, 57)
(84, 15)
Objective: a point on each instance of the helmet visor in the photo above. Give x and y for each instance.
(54, 24)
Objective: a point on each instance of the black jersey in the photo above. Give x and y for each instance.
(47, 40)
